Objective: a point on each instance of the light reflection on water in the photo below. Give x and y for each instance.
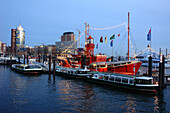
(47, 93)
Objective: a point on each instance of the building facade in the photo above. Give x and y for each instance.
(3, 47)
(13, 41)
(67, 40)
(51, 49)
(68, 36)
(20, 38)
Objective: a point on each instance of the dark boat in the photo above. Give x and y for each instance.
(139, 83)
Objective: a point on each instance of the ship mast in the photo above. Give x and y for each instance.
(85, 32)
(128, 34)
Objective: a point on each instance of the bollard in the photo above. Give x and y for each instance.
(54, 67)
(27, 59)
(49, 63)
(150, 66)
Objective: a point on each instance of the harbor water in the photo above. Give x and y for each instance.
(47, 93)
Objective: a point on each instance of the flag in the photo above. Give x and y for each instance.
(101, 39)
(118, 35)
(149, 35)
(97, 46)
(106, 40)
(111, 43)
(112, 37)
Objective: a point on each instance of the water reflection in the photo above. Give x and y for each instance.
(48, 93)
(75, 95)
(160, 104)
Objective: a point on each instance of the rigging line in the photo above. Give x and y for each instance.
(121, 43)
(73, 43)
(133, 45)
(133, 39)
(140, 52)
(107, 28)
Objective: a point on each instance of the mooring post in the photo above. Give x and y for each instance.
(19, 59)
(11, 61)
(39, 58)
(159, 52)
(161, 72)
(82, 61)
(43, 58)
(166, 52)
(53, 66)
(111, 58)
(24, 58)
(49, 63)
(27, 59)
(150, 66)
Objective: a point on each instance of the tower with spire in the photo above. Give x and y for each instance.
(20, 37)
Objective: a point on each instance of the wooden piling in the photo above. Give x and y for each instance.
(39, 58)
(150, 66)
(49, 63)
(53, 66)
(24, 58)
(19, 59)
(11, 61)
(82, 61)
(161, 72)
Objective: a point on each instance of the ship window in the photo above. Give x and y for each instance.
(112, 78)
(82, 72)
(117, 64)
(143, 81)
(118, 79)
(123, 63)
(90, 41)
(124, 80)
(131, 81)
(102, 66)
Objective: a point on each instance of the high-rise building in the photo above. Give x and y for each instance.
(67, 40)
(13, 41)
(68, 36)
(20, 37)
(3, 47)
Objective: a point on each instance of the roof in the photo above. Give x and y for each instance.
(89, 37)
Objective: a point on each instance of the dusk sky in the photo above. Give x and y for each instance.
(44, 21)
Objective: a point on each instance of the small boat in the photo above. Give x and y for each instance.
(7, 60)
(139, 83)
(73, 72)
(144, 58)
(27, 68)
